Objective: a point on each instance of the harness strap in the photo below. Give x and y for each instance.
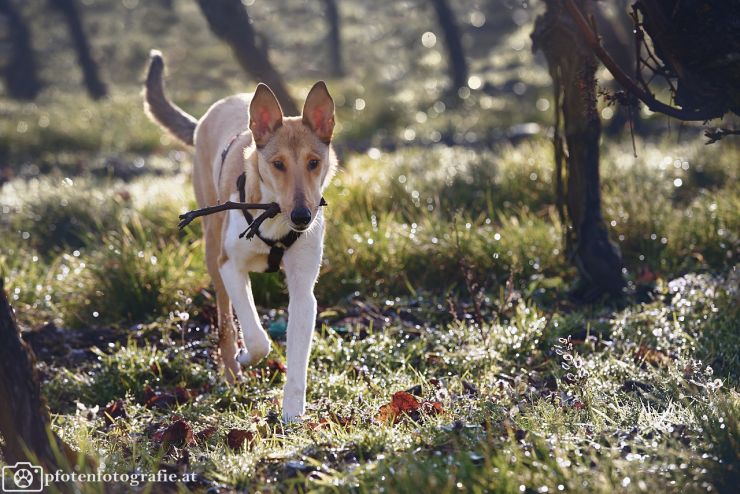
(277, 247)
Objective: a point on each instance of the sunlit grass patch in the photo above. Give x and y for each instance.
(134, 277)
(126, 370)
(514, 413)
(416, 181)
(50, 215)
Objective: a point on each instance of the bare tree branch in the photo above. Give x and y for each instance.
(626, 81)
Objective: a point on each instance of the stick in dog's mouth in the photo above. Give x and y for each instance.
(270, 210)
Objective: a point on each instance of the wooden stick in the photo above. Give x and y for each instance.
(186, 218)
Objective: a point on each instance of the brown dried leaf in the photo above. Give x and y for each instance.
(387, 413)
(404, 404)
(178, 432)
(185, 395)
(432, 407)
(113, 411)
(236, 438)
(276, 365)
(206, 433)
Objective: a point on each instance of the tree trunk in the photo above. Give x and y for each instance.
(456, 63)
(24, 419)
(572, 67)
(20, 74)
(333, 39)
(229, 21)
(91, 76)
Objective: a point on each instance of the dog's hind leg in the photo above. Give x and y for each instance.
(227, 336)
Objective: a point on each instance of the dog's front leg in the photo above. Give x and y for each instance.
(301, 273)
(239, 287)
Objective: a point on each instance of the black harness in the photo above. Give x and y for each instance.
(278, 246)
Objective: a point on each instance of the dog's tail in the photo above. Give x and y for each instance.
(161, 109)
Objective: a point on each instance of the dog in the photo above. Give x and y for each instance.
(287, 160)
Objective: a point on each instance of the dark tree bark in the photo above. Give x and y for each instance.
(24, 419)
(572, 67)
(91, 75)
(333, 38)
(229, 21)
(20, 74)
(456, 62)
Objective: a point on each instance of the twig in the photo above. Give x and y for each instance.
(253, 227)
(626, 81)
(717, 134)
(270, 211)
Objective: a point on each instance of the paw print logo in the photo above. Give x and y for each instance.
(23, 478)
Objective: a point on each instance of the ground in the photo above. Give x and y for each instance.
(447, 356)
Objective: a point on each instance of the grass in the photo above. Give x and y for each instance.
(641, 412)
(514, 415)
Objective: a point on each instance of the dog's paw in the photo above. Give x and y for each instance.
(294, 405)
(290, 418)
(247, 358)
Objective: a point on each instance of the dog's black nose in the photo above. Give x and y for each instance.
(301, 216)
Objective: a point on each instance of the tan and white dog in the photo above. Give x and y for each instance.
(287, 160)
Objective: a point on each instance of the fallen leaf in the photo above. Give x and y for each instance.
(387, 413)
(206, 433)
(322, 423)
(148, 393)
(156, 399)
(432, 407)
(646, 275)
(163, 400)
(332, 419)
(236, 438)
(178, 432)
(113, 411)
(405, 404)
(184, 395)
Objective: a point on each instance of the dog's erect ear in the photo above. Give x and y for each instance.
(318, 112)
(265, 115)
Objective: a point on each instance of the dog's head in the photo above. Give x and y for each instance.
(294, 154)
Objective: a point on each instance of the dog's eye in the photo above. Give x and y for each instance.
(279, 165)
(313, 164)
